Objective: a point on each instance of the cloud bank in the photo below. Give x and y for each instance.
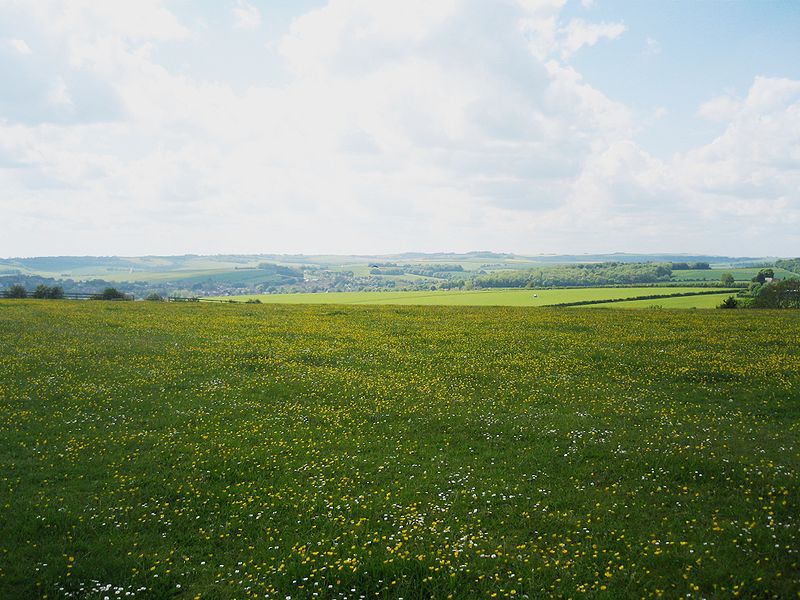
(452, 125)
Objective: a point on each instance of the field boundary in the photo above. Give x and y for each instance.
(648, 297)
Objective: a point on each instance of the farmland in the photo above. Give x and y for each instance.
(739, 274)
(705, 301)
(238, 451)
(493, 297)
(235, 275)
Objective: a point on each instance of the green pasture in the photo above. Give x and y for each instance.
(221, 451)
(739, 274)
(492, 297)
(704, 301)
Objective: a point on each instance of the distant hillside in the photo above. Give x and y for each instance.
(236, 274)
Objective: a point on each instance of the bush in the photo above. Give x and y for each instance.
(109, 294)
(16, 291)
(729, 302)
(154, 297)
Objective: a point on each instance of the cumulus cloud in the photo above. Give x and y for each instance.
(753, 167)
(578, 33)
(720, 109)
(246, 15)
(413, 125)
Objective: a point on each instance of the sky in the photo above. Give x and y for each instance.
(376, 126)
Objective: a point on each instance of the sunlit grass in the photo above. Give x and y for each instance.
(491, 297)
(234, 451)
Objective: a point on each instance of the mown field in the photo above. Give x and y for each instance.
(493, 297)
(238, 451)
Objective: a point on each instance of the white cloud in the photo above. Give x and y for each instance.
(19, 46)
(652, 46)
(720, 109)
(413, 125)
(753, 167)
(246, 15)
(578, 33)
(59, 94)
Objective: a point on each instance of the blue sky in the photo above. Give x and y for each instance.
(341, 126)
(677, 55)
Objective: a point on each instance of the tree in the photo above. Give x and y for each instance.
(109, 293)
(154, 297)
(779, 294)
(16, 291)
(45, 291)
(727, 279)
(41, 291)
(763, 275)
(729, 302)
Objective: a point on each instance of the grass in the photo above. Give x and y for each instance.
(704, 301)
(494, 297)
(242, 451)
(739, 274)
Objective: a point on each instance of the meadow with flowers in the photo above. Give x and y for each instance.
(152, 450)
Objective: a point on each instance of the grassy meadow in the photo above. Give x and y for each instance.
(152, 450)
(490, 297)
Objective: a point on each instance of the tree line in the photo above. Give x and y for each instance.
(579, 275)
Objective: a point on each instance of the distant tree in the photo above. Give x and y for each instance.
(45, 291)
(729, 302)
(792, 264)
(109, 293)
(779, 294)
(727, 279)
(16, 291)
(154, 297)
(763, 275)
(663, 271)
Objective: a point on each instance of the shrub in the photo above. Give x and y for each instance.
(729, 302)
(109, 293)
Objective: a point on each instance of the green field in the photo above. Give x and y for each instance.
(739, 274)
(494, 297)
(157, 450)
(705, 301)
